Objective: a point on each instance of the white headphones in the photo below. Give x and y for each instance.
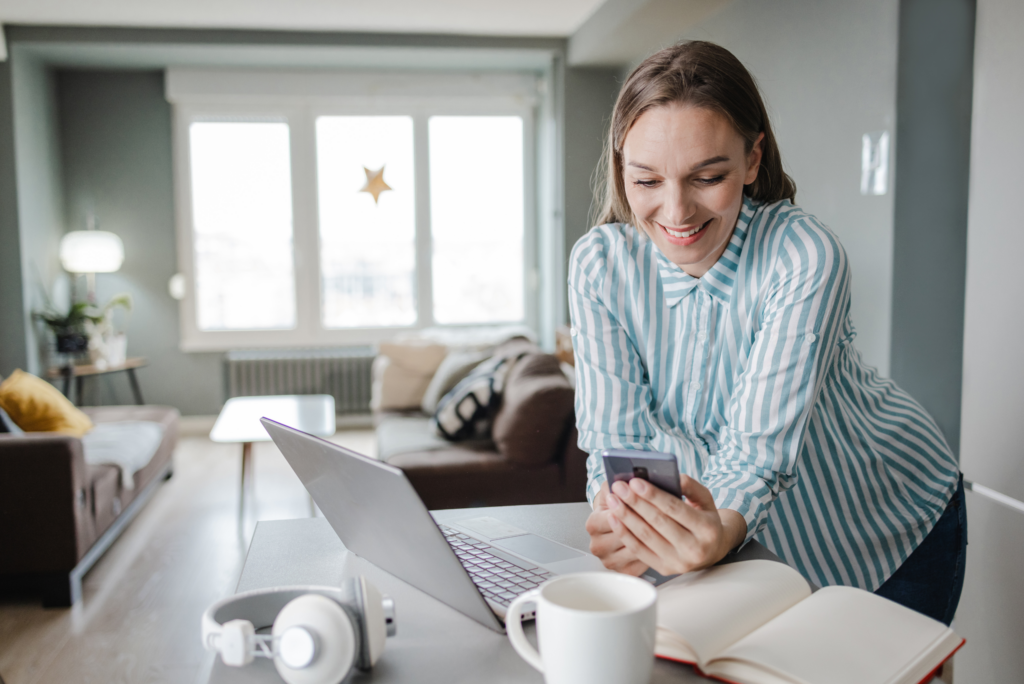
(318, 635)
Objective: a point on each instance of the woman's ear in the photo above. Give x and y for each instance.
(754, 160)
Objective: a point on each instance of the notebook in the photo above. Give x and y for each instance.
(757, 622)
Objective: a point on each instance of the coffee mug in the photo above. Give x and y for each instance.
(592, 628)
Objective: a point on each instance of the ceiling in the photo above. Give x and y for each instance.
(468, 17)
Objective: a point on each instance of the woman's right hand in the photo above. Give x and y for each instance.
(605, 544)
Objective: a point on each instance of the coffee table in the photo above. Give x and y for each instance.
(239, 422)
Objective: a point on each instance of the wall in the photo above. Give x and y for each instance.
(936, 53)
(589, 97)
(40, 195)
(116, 132)
(13, 329)
(991, 614)
(828, 72)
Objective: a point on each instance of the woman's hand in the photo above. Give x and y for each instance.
(607, 545)
(671, 535)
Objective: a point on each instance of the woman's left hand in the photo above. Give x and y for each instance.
(673, 535)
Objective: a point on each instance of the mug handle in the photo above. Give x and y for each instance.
(514, 628)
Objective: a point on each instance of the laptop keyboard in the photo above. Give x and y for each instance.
(494, 573)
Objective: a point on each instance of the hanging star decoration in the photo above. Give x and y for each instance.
(375, 183)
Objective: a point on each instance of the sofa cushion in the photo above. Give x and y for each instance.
(401, 374)
(538, 401)
(455, 367)
(37, 406)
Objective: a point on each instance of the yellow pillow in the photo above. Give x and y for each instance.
(37, 406)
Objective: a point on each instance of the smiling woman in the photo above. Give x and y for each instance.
(711, 321)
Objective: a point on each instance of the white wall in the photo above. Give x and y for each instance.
(828, 71)
(991, 614)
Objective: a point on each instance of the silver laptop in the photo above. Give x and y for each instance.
(477, 566)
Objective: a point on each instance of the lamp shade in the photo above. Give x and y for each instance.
(91, 251)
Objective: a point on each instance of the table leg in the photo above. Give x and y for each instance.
(135, 387)
(78, 390)
(247, 477)
(68, 373)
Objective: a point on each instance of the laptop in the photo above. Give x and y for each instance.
(477, 566)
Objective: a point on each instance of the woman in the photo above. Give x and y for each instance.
(711, 321)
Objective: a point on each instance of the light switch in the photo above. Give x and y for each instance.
(874, 163)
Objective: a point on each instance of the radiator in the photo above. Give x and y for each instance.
(343, 373)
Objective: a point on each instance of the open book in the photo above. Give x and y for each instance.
(756, 622)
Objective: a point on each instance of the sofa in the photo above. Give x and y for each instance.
(529, 455)
(58, 513)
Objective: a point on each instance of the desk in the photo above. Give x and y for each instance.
(434, 643)
(79, 372)
(239, 422)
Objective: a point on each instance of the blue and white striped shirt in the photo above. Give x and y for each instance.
(750, 377)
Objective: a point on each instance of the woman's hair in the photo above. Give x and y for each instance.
(699, 74)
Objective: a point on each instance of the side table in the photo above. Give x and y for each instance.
(90, 370)
(239, 423)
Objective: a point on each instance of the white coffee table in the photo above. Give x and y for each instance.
(239, 422)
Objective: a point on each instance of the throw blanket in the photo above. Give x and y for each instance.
(128, 444)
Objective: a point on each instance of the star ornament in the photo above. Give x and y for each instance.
(375, 183)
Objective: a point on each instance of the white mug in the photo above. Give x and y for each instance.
(592, 628)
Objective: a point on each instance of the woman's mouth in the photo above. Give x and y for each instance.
(685, 237)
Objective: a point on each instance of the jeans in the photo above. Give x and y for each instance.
(932, 577)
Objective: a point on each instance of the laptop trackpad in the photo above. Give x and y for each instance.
(536, 548)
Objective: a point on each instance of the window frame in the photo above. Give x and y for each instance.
(205, 96)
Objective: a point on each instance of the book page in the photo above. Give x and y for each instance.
(710, 609)
(842, 635)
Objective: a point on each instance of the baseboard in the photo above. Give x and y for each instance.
(196, 426)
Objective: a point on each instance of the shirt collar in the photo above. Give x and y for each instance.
(720, 278)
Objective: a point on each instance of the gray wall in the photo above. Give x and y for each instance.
(991, 614)
(589, 96)
(40, 195)
(828, 72)
(13, 332)
(933, 140)
(116, 132)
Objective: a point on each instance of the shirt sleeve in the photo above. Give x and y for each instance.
(805, 304)
(612, 393)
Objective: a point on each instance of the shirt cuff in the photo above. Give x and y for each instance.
(744, 493)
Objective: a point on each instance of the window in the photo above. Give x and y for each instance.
(307, 219)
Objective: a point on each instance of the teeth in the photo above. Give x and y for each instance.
(682, 234)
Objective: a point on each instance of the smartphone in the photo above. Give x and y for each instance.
(661, 470)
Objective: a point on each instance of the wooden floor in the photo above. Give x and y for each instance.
(139, 618)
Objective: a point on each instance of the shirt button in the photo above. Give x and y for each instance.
(572, 331)
(696, 386)
(702, 336)
(811, 337)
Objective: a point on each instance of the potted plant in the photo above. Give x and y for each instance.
(85, 327)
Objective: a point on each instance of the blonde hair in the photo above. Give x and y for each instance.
(703, 75)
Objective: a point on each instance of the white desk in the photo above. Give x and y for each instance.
(239, 422)
(434, 643)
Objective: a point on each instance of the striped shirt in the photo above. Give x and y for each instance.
(749, 376)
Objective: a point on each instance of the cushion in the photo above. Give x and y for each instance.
(537, 403)
(7, 425)
(401, 374)
(37, 406)
(456, 366)
(466, 411)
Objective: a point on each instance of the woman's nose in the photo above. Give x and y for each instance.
(679, 206)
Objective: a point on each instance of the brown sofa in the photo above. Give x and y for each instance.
(532, 457)
(59, 514)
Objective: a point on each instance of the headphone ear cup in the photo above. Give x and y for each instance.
(374, 621)
(335, 637)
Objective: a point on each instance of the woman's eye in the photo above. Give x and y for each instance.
(645, 183)
(710, 181)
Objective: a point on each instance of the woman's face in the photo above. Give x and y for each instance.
(684, 170)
